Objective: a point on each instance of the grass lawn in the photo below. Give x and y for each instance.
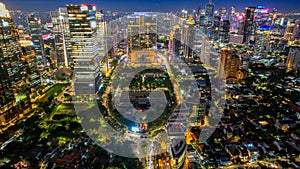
(54, 90)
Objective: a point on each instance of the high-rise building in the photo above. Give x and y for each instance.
(175, 40)
(248, 28)
(233, 19)
(262, 42)
(291, 31)
(61, 30)
(261, 15)
(35, 28)
(224, 31)
(101, 32)
(188, 37)
(224, 14)
(142, 30)
(216, 27)
(14, 90)
(83, 26)
(205, 50)
(228, 64)
(209, 13)
(293, 59)
(202, 17)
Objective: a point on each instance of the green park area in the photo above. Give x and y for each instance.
(61, 124)
(53, 91)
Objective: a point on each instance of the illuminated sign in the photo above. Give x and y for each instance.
(50, 25)
(135, 129)
(93, 24)
(260, 7)
(94, 7)
(241, 16)
(84, 7)
(46, 36)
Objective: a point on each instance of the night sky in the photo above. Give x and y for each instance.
(151, 5)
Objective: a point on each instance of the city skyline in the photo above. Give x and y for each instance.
(155, 5)
(165, 86)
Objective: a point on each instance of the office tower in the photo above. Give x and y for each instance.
(205, 50)
(209, 13)
(61, 32)
(261, 15)
(224, 14)
(175, 40)
(142, 30)
(224, 31)
(34, 79)
(293, 59)
(101, 31)
(188, 37)
(291, 31)
(202, 17)
(14, 101)
(176, 132)
(83, 26)
(228, 64)
(262, 41)
(233, 19)
(240, 24)
(35, 28)
(216, 27)
(248, 28)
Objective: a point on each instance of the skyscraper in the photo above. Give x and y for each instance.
(209, 12)
(261, 15)
(83, 26)
(291, 31)
(61, 31)
(35, 28)
(233, 19)
(188, 37)
(228, 64)
(175, 40)
(224, 31)
(142, 30)
(13, 71)
(248, 28)
(293, 59)
(216, 27)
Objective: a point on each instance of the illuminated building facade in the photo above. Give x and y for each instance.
(248, 27)
(61, 31)
(35, 28)
(228, 64)
(291, 31)
(261, 15)
(14, 71)
(293, 59)
(224, 31)
(209, 13)
(83, 27)
(175, 40)
(216, 27)
(142, 30)
(262, 42)
(233, 19)
(188, 37)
